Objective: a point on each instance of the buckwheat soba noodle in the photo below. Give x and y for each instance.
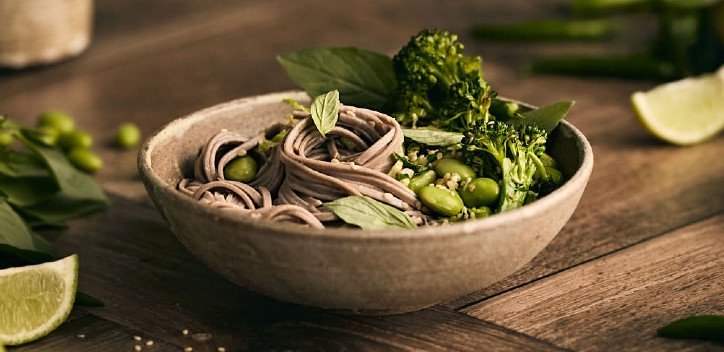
(306, 169)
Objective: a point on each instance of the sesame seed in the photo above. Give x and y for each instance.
(221, 349)
(81, 336)
(137, 338)
(149, 343)
(137, 347)
(185, 332)
(188, 349)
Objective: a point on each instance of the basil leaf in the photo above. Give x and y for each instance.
(325, 109)
(86, 300)
(18, 164)
(369, 214)
(27, 191)
(702, 327)
(547, 117)
(56, 210)
(14, 257)
(363, 78)
(72, 182)
(432, 137)
(13, 231)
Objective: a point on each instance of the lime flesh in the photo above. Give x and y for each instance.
(36, 299)
(683, 112)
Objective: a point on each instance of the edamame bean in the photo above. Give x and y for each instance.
(128, 135)
(58, 121)
(555, 175)
(479, 192)
(442, 201)
(6, 139)
(548, 160)
(84, 159)
(454, 166)
(242, 169)
(75, 139)
(422, 180)
(46, 135)
(480, 212)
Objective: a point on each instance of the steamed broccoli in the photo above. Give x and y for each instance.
(508, 154)
(437, 85)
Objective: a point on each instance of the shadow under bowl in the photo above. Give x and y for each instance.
(366, 272)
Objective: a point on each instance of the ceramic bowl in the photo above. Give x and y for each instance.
(362, 271)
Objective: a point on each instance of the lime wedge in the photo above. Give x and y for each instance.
(683, 112)
(36, 299)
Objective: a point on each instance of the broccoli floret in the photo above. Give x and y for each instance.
(508, 154)
(437, 85)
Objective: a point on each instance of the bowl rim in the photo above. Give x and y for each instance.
(179, 126)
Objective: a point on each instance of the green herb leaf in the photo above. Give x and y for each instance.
(13, 231)
(71, 182)
(27, 191)
(369, 214)
(56, 210)
(86, 300)
(325, 109)
(363, 78)
(295, 104)
(702, 327)
(11, 257)
(546, 117)
(432, 137)
(18, 164)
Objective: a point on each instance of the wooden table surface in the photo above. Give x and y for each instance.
(643, 248)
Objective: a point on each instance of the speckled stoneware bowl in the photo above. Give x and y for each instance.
(366, 272)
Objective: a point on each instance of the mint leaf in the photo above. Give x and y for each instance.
(369, 214)
(547, 117)
(432, 137)
(364, 78)
(702, 327)
(324, 110)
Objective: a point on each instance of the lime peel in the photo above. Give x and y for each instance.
(36, 299)
(683, 112)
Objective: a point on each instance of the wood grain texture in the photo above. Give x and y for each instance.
(150, 283)
(618, 301)
(86, 332)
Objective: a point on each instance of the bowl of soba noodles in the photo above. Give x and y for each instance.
(257, 192)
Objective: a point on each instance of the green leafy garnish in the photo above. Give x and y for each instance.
(363, 78)
(547, 117)
(13, 231)
(39, 187)
(369, 214)
(432, 137)
(325, 108)
(702, 327)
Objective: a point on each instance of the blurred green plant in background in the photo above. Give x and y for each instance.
(689, 39)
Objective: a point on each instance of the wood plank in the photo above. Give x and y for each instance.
(618, 301)
(87, 332)
(124, 33)
(150, 283)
